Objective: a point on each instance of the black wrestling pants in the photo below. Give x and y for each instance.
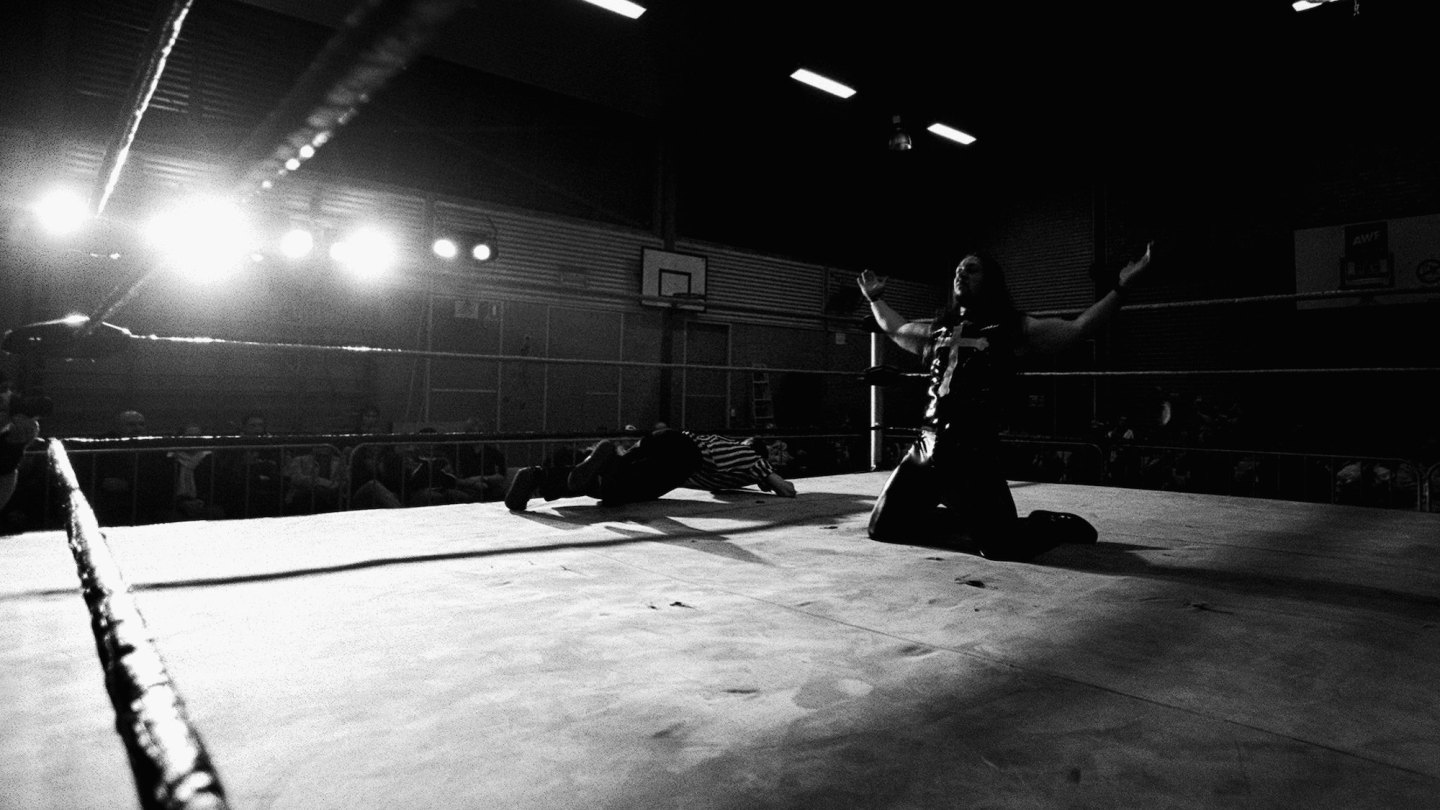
(967, 480)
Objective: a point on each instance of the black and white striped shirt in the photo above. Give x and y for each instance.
(726, 463)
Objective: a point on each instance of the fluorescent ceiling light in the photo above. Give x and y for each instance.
(622, 7)
(1306, 5)
(828, 85)
(951, 133)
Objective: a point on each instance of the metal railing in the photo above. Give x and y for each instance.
(238, 477)
(139, 480)
(1392, 482)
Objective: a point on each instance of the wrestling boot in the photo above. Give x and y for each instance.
(585, 478)
(527, 480)
(1062, 527)
(1037, 534)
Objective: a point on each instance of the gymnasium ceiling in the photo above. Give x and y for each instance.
(1200, 92)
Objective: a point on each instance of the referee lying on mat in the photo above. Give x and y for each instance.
(660, 461)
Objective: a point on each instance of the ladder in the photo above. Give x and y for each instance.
(762, 408)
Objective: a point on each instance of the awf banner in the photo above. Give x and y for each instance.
(1376, 256)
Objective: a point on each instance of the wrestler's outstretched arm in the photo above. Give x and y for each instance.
(774, 483)
(1054, 335)
(909, 335)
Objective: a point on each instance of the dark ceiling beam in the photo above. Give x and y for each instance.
(378, 40)
(163, 35)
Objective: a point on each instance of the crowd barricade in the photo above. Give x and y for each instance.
(1390, 482)
(240, 477)
(136, 481)
(1379, 481)
(1053, 460)
(156, 480)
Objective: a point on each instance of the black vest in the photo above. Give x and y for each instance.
(971, 362)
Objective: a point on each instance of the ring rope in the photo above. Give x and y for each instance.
(433, 354)
(1277, 298)
(1234, 371)
(171, 767)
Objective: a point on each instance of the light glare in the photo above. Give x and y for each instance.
(204, 239)
(61, 212)
(366, 253)
(482, 252)
(822, 83)
(446, 248)
(622, 7)
(297, 243)
(951, 133)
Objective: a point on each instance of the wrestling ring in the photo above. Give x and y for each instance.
(722, 650)
(714, 650)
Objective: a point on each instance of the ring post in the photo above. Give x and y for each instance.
(877, 405)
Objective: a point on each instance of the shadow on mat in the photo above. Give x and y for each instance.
(579, 511)
(650, 513)
(1122, 559)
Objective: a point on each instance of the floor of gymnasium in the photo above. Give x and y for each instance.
(745, 651)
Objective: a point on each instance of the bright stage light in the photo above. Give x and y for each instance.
(624, 8)
(365, 253)
(446, 248)
(478, 244)
(205, 239)
(61, 212)
(296, 243)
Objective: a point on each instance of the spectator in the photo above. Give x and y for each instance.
(1123, 462)
(250, 480)
(314, 480)
(130, 487)
(480, 467)
(17, 430)
(194, 479)
(430, 478)
(374, 470)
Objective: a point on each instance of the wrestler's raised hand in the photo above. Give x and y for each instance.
(871, 285)
(1135, 268)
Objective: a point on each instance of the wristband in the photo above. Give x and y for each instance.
(1120, 292)
(876, 297)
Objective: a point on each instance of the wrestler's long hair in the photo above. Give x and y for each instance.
(995, 304)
